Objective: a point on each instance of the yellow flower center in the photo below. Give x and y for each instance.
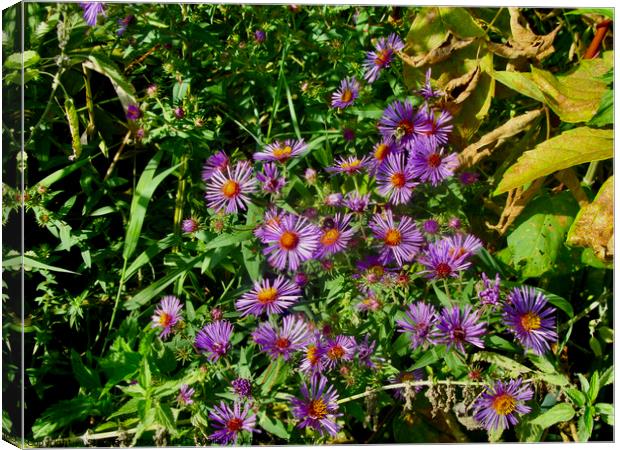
(330, 237)
(289, 240)
(312, 354)
(504, 404)
(530, 321)
(398, 179)
(405, 127)
(267, 295)
(231, 189)
(282, 153)
(377, 270)
(407, 377)
(336, 352)
(381, 152)
(165, 319)
(347, 95)
(354, 164)
(392, 237)
(317, 409)
(382, 58)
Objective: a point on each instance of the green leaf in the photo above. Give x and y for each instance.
(585, 424)
(147, 255)
(556, 379)
(273, 426)
(541, 363)
(573, 147)
(605, 113)
(102, 64)
(520, 82)
(18, 60)
(594, 387)
(66, 412)
(607, 377)
(270, 375)
(562, 412)
(607, 12)
(539, 232)
(224, 240)
(87, 377)
(429, 357)
(585, 386)
(606, 411)
(129, 407)
(501, 361)
(179, 90)
(578, 397)
(60, 174)
(30, 263)
(164, 416)
(528, 432)
(558, 302)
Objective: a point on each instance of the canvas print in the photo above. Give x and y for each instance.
(244, 225)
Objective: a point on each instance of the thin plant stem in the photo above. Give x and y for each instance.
(116, 303)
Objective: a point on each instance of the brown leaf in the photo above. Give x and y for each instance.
(569, 178)
(438, 54)
(515, 204)
(490, 141)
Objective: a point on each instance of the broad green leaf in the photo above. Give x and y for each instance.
(538, 236)
(18, 60)
(562, 412)
(501, 361)
(607, 377)
(578, 397)
(556, 379)
(585, 424)
(429, 357)
(179, 90)
(520, 82)
(594, 225)
(66, 412)
(124, 90)
(270, 375)
(606, 411)
(594, 387)
(164, 417)
(541, 362)
(527, 431)
(74, 127)
(87, 377)
(30, 263)
(129, 407)
(224, 240)
(558, 302)
(607, 12)
(573, 147)
(273, 426)
(605, 113)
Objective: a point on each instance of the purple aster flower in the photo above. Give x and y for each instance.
(463, 245)
(242, 387)
(346, 95)
(401, 123)
(467, 178)
(300, 279)
(185, 395)
(189, 225)
(356, 202)
(349, 165)
(292, 336)
(230, 421)
(318, 408)
(179, 112)
(454, 223)
(310, 175)
(499, 405)
(313, 361)
(438, 127)
(273, 216)
(167, 314)
(430, 226)
(92, 11)
(395, 179)
(441, 261)
(380, 152)
(123, 24)
(341, 348)
(419, 323)
(214, 339)
(259, 36)
(528, 317)
(335, 235)
(281, 151)
(456, 327)
(229, 191)
(348, 134)
(268, 297)
(381, 57)
(489, 295)
(430, 164)
(271, 179)
(365, 350)
(216, 163)
(402, 377)
(334, 199)
(133, 112)
(400, 241)
(427, 90)
(370, 302)
(290, 242)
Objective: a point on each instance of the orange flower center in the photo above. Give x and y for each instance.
(231, 189)
(434, 160)
(312, 354)
(330, 237)
(504, 404)
(530, 321)
(267, 295)
(405, 127)
(392, 237)
(381, 152)
(234, 424)
(282, 153)
(282, 343)
(347, 95)
(383, 58)
(443, 270)
(336, 352)
(317, 409)
(407, 377)
(398, 179)
(165, 319)
(289, 240)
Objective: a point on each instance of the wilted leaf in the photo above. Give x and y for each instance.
(605, 113)
(594, 224)
(438, 54)
(570, 148)
(520, 82)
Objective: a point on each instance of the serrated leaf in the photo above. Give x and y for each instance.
(562, 412)
(606, 411)
(18, 60)
(578, 397)
(607, 377)
(594, 387)
(573, 147)
(87, 377)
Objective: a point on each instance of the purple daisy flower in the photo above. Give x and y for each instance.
(92, 11)
(489, 294)
(313, 361)
(292, 336)
(318, 408)
(427, 90)
(381, 57)
(334, 199)
(189, 225)
(167, 314)
(499, 405)
(271, 179)
(259, 36)
(230, 190)
(346, 95)
(268, 297)
(214, 339)
(402, 377)
(365, 351)
(281, 151)
(185, 395)
(341, 348)
(456, 327)
(216, 163)
(430, 226)
(419, 323)
(335, 235)
(441, 261)
(290, 242)
(395, 180)
(528, 317)
(242, 387)
(401, 123)
(463, 245)
(230, 421)
(430, 164)
(356, 202)
(380, 152)
(349, 165)
(399, 241)
(438, 127)
(273, 217)
(133, 112)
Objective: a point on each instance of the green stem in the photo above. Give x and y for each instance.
(116, 303)
(178, 204)
(589, 177)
